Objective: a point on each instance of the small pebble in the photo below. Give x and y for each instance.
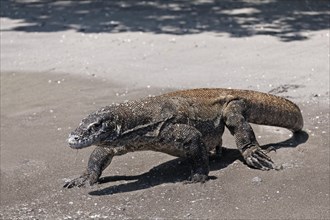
(256, 180)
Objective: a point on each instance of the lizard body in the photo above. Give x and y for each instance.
(187, 123)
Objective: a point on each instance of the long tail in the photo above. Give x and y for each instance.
(272, 110)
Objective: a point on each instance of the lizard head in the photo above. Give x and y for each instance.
(93, 129)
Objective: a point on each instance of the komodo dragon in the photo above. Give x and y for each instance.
(187, 124)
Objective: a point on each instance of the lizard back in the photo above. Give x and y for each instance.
(261, 108)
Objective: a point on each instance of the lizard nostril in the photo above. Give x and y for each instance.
(73, 138)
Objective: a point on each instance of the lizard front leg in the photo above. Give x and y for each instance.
(99, 160)
(186, 141)
(244, 136)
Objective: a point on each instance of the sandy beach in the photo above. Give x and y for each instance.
(61, 60)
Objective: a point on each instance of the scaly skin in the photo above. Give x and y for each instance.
(187, 124)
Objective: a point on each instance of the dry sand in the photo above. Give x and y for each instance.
(56, 68)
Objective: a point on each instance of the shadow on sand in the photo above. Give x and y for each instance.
(286, 20)
(178, 170)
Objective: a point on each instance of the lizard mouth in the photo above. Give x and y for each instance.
(76, 143)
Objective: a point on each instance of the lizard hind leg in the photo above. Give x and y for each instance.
(186, 141)
(219, 148)
(234, 116)
(217, 152)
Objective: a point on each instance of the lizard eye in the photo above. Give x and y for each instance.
(94, 126)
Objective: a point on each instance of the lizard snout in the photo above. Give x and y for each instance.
(76, 142)
(73, 140)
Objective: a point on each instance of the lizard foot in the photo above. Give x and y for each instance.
(256, 158)
(197, 178)
(82, 181)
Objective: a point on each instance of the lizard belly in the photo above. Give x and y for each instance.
(211, 131)
(149, 145)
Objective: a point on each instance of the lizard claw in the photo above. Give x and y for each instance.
(82, 181)
(269, 149)
(256, 158)
(196, 178)
(78, 182)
